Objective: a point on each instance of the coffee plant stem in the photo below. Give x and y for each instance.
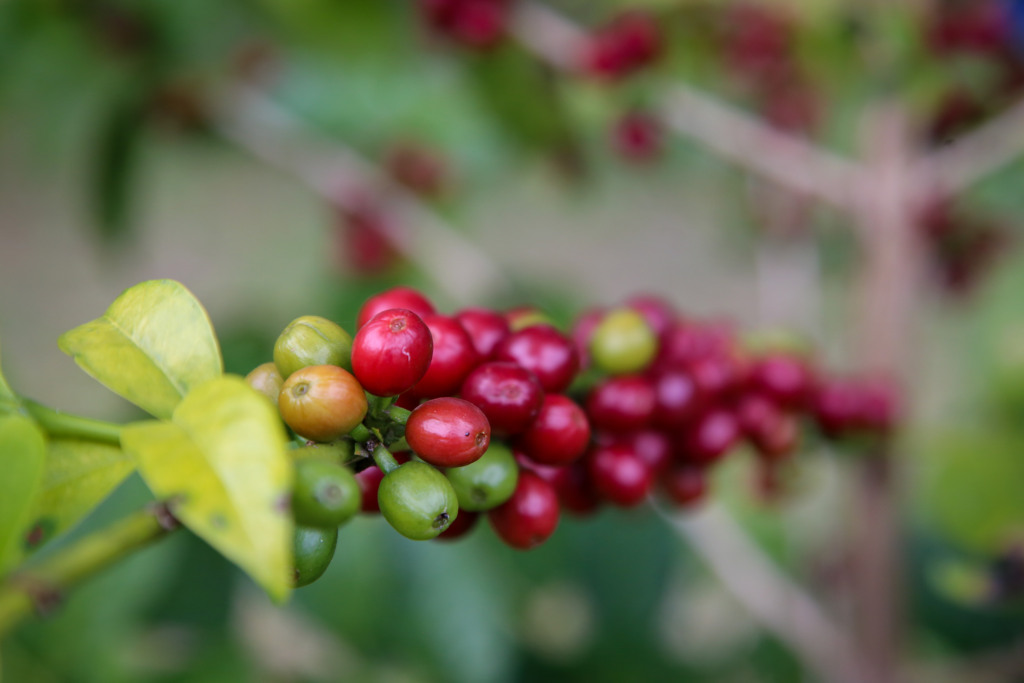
(58, 424)
(385, 461)
(41, 587)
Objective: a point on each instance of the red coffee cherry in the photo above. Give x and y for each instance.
(583, 333)
(638, 137)
(653, 448)
(685, 484)
(559, 434)
(719, 375)
(711, 437)
(369, 481)
(530, 516)
(545, 352)
(687, 342)
(391, 352)
(453, 358)
(463, 524)
(677, 400)
(485, 327)
(575, 489)
(621, 404)
(618, 475)
(396, 297)
(630, 42)
(448, 432)
(836, 405)
(509, 395)
(660, 314)
(786, 379)
(774, 433)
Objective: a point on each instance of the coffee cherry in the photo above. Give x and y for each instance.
(719, 375)
(488, 482)
(530, 516)
(621, 404)
(325, 494)
(485, 328)
(836, 406)
(369, 482)
(267, 380)
(453, 358)
(638, 137)
(653, 448)
(508, 394)
(396, 297)
(417, 501)
(677, 400)
(773, 433)
(618, 475)
(545, 352)
(448, 432)
(392, 352)
(463, 524)
(527, 316)
(685, 484)
(711, 437)
(688, 342)
(322, 402)
(786, 379)
(575, 489)
(559, 434)
(583, 332)
(658, 313)
(623, 342)
(312, 340)
(313, 550)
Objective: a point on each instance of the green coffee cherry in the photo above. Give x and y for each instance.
(313, 551)
(325, 494)
(267, 380)
(312, 340)
(623, 342)
(487, 482)
(417, 500)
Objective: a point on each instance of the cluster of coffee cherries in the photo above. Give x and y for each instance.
(435, 420)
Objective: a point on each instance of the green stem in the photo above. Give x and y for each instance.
(361, 434)
(380, 404)
(59, 424)
(37, 587)
(385, 461)
(398, 414)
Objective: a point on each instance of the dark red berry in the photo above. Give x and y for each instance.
(618, 475)
(774, 433)
(659, 313)
(391, 352)
(396, 297)
(677, 400)
(786, 379)
(638, 137)
(448, 432)
(545, 352)
(718, 375)
(654, 448)
(575, 489)
(621, 404)
(685, 484)
(508, 394)
(711, 437)
(687, 342)
(485, 327)
(463, 524)
(530, 516)
(583, 332)
(369, 481)
(453, 358)
(559, 434)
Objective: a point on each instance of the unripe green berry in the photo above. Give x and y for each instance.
(312, 340)
(417, 500)
(325, 494)
(313, 550)
(487, 482)
(267, 380)
(623, 342)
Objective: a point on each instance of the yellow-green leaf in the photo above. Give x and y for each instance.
(79, 475)
(8, 400)
(222, 462)
(152, 346)
(22, 460)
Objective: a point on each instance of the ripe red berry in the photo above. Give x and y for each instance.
(653, 448)
(454, 356)
(786, 379)
(687, 342)
(396, 297)
(638, 137)
(711, 437)
(677, 400)
(575, 489)
(774, 433)
(463, 524)
(391, 352)
(369, 481)
(448, 432)
(509, 395)
(659, 313)
(618, 475)
(583, 332)
(685, 484)
(718, 375)
(544, 351)
(530, 516)
(621, 404)
(485, 327)
(559, 434)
